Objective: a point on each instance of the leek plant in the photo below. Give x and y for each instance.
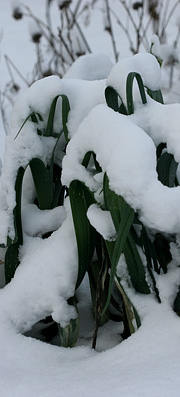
(99, 257)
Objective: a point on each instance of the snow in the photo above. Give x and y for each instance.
(144, 64)
(90, 67)
(156, 202)
(146, 364)
(102, 222)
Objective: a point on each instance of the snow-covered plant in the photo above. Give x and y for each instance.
(90, 186)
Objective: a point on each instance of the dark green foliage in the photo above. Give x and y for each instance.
(65, 111)
(12, 253)
(166, 169)
(129, 90)
(43, 183)
(81, 199)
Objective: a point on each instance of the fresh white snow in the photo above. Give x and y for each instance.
(146, 364)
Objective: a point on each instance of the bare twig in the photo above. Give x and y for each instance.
(111, 31)
(10, 64)
(166, 22)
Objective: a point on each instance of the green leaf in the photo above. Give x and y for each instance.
(129, 90)
(17, 209)
(33, 117)
(122, 234)
(11, 261)
(166, 169)
(119, 209)
(65, 112)
(12, 253)
(111, 202)
(160, 149)
(112, 100)
(43, 183)
(135, 266)
(152, 260)
(81, 199)
(163, 252)
(50, 122)
(156, 95)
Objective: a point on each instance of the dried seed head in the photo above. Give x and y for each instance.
(36, 37)
(17, 12)
(137, 5)
(35, 32)
(63, 4)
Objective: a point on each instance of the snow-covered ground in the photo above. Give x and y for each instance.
(146, 364)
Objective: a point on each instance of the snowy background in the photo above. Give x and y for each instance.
(147, 364)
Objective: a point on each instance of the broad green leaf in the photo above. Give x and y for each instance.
(163, 252)
(65, 112)
(81, 199)
(50, 122)
(135, 266)
(43, 183)
(58, 189)
(156, 95)
(152, 260)
(160, 149)
(122, 234)
(12, 253)
(166, 169)
(86, 159)
(17, 209)
(112, 100)
(11, 261)
(111, 202)
(119, 209)
(129, 90)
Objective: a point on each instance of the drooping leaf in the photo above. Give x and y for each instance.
(118, 209)
(113, 99)
(81, 199)
(33, 115)
(122, 233)
(129, 90)
(160, 149)
(43, 183)
(65, 111)
(166, 169)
